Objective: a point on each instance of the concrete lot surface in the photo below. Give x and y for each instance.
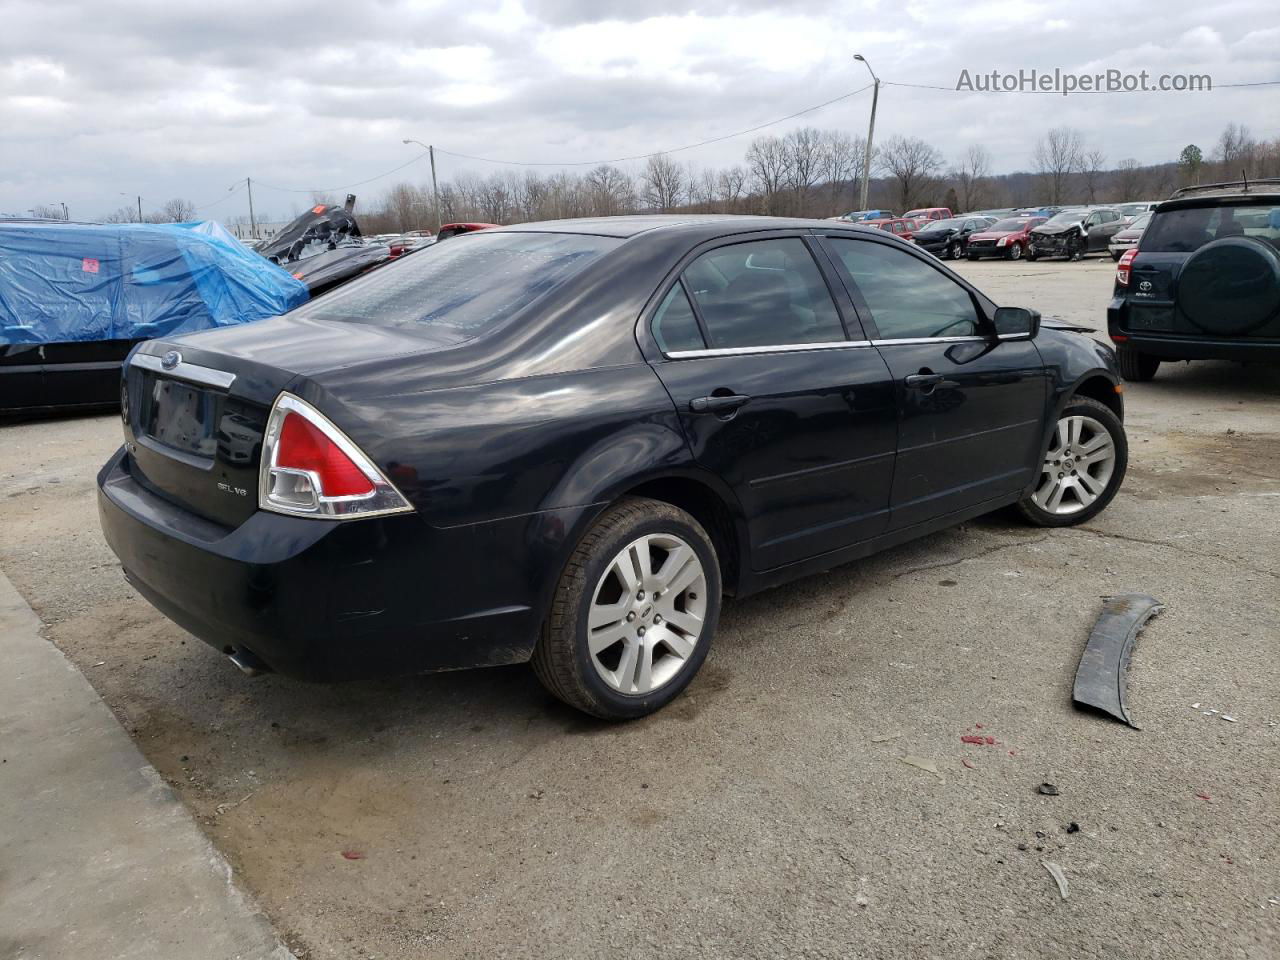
(769, 812)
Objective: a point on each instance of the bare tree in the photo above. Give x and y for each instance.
(731, 183)
(178, 210)
(913, 166)
(839, 163)
(1235, 150)
(769, 161)
(1091, 167)
(970, 175)
(610, 190)
(1058, 155)
(125, 214)
(804, 151)
(1128, 179)
(661, 183)
(47, 212)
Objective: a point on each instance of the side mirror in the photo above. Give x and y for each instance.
(1016, 323)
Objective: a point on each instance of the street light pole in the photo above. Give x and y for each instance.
(871, 131)
(253, 224)
(435, 190)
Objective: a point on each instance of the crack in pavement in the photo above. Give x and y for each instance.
(988, 551)
(1169, 544)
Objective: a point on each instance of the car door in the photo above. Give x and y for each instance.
(777, 397)
(971, 404)
(1109, 224)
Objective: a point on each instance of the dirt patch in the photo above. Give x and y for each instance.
(1182, 464)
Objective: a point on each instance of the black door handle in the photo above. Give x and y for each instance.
(718, 404)
(924, 381)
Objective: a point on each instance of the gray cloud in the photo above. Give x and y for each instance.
(178, 100)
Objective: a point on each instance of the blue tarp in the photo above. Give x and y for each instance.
(70, 282)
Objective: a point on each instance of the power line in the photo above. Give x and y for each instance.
(669, 150)
(655, 153)
(578, 163)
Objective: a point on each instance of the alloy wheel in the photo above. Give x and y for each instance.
(1015, 251)
(1077, 468)
(647, 614)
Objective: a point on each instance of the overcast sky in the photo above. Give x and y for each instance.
(181, 99)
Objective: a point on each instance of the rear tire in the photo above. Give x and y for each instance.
(1083, 468)
(1136, 367)
(634, 613)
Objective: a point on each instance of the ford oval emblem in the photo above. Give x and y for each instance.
(171, 359)
(1144, 286)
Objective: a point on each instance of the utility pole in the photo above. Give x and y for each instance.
(65, 215)
(435, 191)
(253, 226)
(139, 209)
(871, 131)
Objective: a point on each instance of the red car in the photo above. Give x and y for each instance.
(453, 229)
(930, 213)
(904, 227)
(1006, 238)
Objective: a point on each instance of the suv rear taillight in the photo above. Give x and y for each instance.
(310, 468)
(1125, 267)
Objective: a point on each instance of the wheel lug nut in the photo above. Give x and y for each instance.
(657, 618)
(1059, 476)
(640, 595)
(631, 616)
(641, 631)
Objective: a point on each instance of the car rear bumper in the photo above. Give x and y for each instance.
(327, 600)
(1186, 347)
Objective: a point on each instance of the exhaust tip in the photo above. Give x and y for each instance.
(246, 661)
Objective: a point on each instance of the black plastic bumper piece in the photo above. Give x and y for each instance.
(1101, 676)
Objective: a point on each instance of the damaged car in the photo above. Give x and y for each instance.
(324, 248)
(568, 442)
(1075, 233)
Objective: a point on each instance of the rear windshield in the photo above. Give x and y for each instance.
(945, 224)
(466, 284)
(1189, 229)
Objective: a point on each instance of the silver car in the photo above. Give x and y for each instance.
(1128, 238)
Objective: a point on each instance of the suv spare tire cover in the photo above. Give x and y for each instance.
(1231, 286)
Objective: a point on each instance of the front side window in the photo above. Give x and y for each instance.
(466, 285)
(907, 297)
(763, 293)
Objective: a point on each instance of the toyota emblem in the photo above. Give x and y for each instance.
(1144, 286)
(173, 358)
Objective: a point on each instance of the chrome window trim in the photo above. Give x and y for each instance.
(191, 372)
(890, 342)
(771, 348)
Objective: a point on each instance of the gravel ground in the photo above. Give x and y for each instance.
(769, 812)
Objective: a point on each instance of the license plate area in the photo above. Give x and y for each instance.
(1152, 317)
(181, 416)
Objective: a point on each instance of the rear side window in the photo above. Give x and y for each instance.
(763, 293)
(467, 284)
(674, 325)
(907, 297)
(1189, 229)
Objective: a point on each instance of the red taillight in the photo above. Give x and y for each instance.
(310, 468)
(303, 447)
(1125, 267)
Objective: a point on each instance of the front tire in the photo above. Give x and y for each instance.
(1014, 252)
(954, 252)
(634, 612)
(1032, 254)
(1083, 467)
(1136, 367)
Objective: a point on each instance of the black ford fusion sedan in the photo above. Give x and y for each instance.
(566, 442)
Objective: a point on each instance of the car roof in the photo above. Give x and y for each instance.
(711, 224)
